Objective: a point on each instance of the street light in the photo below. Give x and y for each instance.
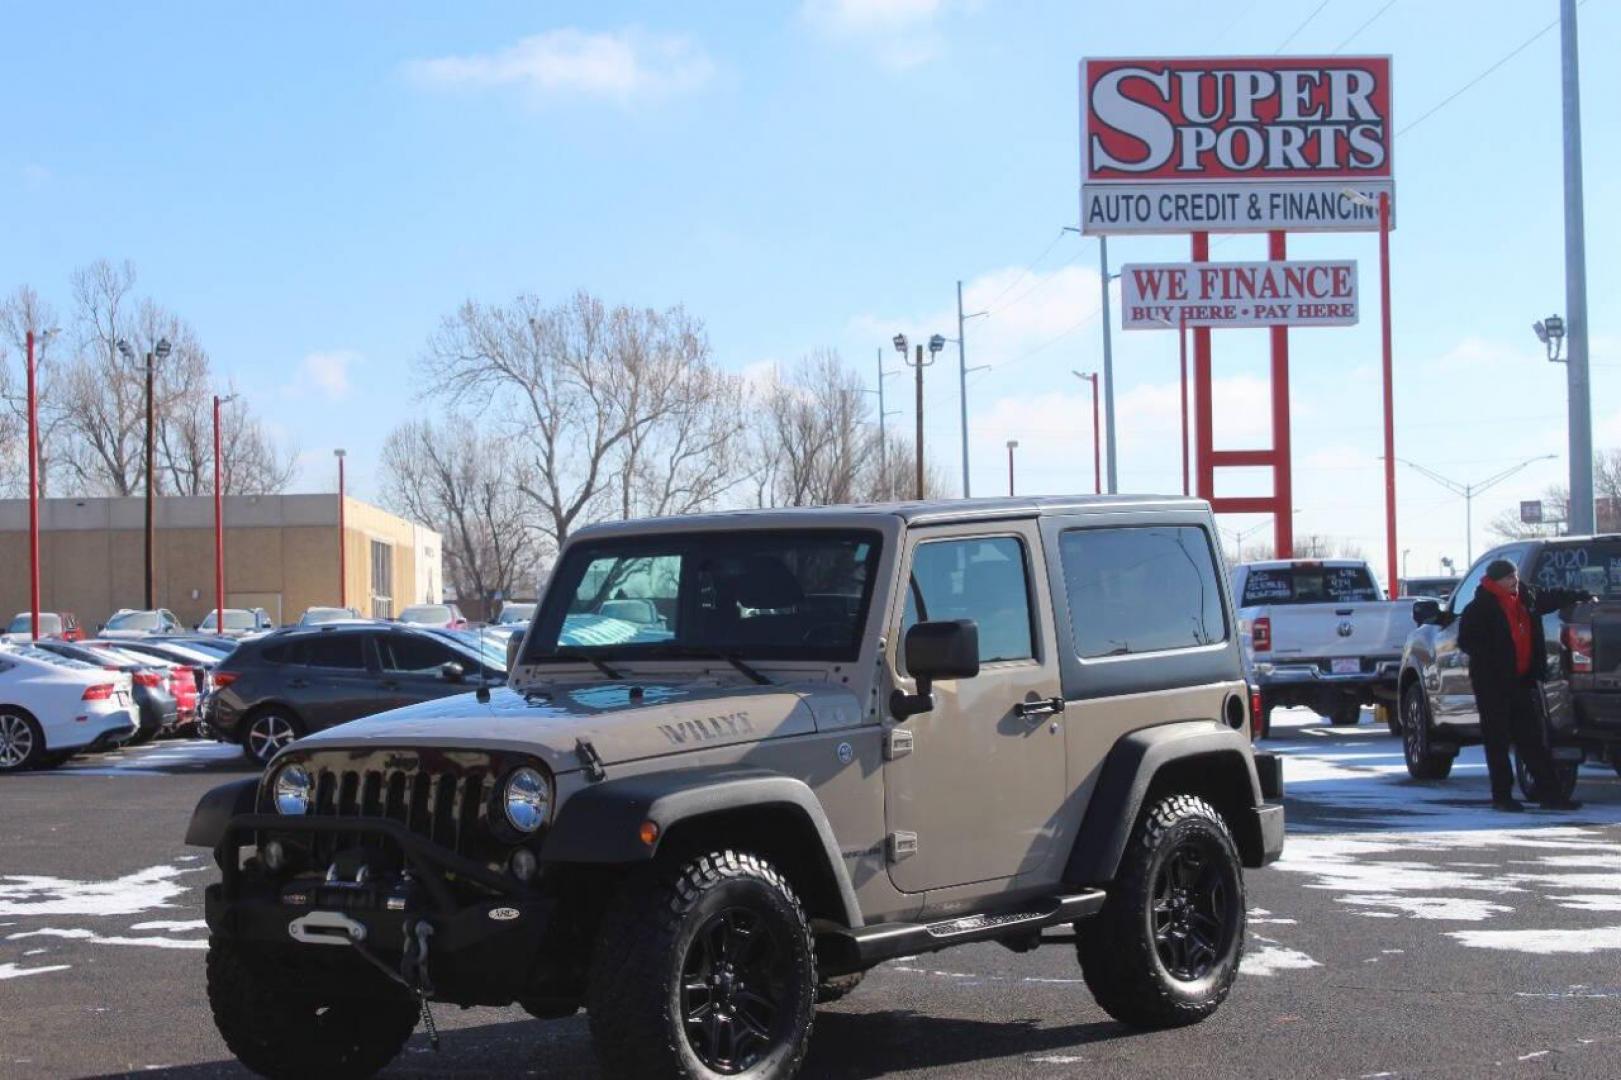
(219, 523)
(158, 352)
(1012, 445)
(1469, 491)
(1551, 332)
(343, 580)
(33, 481)
(1097, 453)
(900, 343)
(936, 343)
(1108, 353)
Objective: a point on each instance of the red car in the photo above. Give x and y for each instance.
(62, 625)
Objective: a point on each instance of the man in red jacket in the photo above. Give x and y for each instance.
(1501, 630)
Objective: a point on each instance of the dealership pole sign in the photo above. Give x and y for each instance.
(1293, 144)
(1159, 296)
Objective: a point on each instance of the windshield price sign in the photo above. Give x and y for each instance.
(1160, 296)
(1297, 144)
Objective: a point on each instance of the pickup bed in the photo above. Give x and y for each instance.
(1316, 633)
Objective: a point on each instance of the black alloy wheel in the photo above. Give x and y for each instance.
(1189, 913)
(1423, 763)
(734, 984)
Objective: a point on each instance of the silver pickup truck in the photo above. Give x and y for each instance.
(1317, 633)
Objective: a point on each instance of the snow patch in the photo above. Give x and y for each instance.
(172, 927)
(12, 971)
(102, 939)
(1271, 959)
(1542, 942)
(154, 887)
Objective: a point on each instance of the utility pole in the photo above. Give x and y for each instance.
(158, 352)
(883, 426)
(219, 523)
(919, 366)
(1576, 372)
(962, 383)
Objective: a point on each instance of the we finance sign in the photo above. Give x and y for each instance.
(1235, 145)
(1166, 296)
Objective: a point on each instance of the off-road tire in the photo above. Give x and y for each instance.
(1346, 715)
(834, 987)
(1564, 773)
(270, 1014)
(18, 729)
(1422, 762)
(635, 995)
(1119, 958)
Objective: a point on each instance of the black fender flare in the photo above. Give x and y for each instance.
(1128, 774)
(601, 824)
(217, 807)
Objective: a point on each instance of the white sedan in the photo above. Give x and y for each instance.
(52, 707)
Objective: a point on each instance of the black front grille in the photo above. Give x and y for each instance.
(449, 809)
(442, 796)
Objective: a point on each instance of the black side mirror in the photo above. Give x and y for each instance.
(1426, 611)
(451, 671)
(936, 650)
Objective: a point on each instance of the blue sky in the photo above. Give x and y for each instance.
(314, 186)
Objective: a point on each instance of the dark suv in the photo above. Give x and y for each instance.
(274, 689)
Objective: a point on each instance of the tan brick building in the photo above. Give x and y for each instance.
(281, 554)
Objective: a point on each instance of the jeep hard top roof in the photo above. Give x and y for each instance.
(926, 512)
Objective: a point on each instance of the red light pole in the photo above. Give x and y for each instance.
(219, 524)
(33, 496)
(1097, 435)
(1390, 393)
(1182, 348)
(343, 579)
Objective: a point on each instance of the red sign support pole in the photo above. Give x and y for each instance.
(1182, 349)
(1390, 394)
(1283, 521)
(1203, 407)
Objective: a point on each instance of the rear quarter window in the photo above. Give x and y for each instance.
(1141, 589)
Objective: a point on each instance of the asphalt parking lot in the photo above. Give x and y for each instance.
(1409, 931)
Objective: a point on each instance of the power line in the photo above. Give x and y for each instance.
(1024, 271)
(1511, 54)
(1037, 286)
(1358, 31)
(1318, 10)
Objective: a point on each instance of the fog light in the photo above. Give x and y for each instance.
(273, 855)
(524, 865)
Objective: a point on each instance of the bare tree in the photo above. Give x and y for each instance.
(817, 443)
(1556, 505)
(618, 411)
(21, 312)
(471, 489)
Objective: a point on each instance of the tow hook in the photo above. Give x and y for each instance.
(414, 973)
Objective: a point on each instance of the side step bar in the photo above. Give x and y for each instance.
(856, 950)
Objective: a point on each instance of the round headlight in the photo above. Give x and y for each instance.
(292, 790)
(528, 799)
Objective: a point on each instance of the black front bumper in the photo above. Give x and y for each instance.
(488, 933)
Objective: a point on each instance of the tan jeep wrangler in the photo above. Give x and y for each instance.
(742, 758)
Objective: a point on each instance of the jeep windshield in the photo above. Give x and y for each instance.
(800, 595)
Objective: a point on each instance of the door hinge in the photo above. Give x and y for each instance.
(898, 743)
(901, 845)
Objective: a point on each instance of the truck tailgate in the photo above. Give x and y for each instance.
(1339, 630)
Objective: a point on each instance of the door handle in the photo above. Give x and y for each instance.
(1035, 710)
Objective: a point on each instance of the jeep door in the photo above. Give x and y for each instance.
(977, 781)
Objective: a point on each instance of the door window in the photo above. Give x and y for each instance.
(339, 651)
(1141, 589)
(1477, 573)
(983, 579)
(406, 654)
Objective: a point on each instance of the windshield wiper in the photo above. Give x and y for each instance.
(704, 652)
(576, 657)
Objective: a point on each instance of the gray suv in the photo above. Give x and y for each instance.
(741, 759)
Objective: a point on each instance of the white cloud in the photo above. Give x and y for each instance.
(900, 34)
(620, 66)
(323, 374)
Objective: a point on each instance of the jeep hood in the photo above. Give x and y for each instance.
(622, 721)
